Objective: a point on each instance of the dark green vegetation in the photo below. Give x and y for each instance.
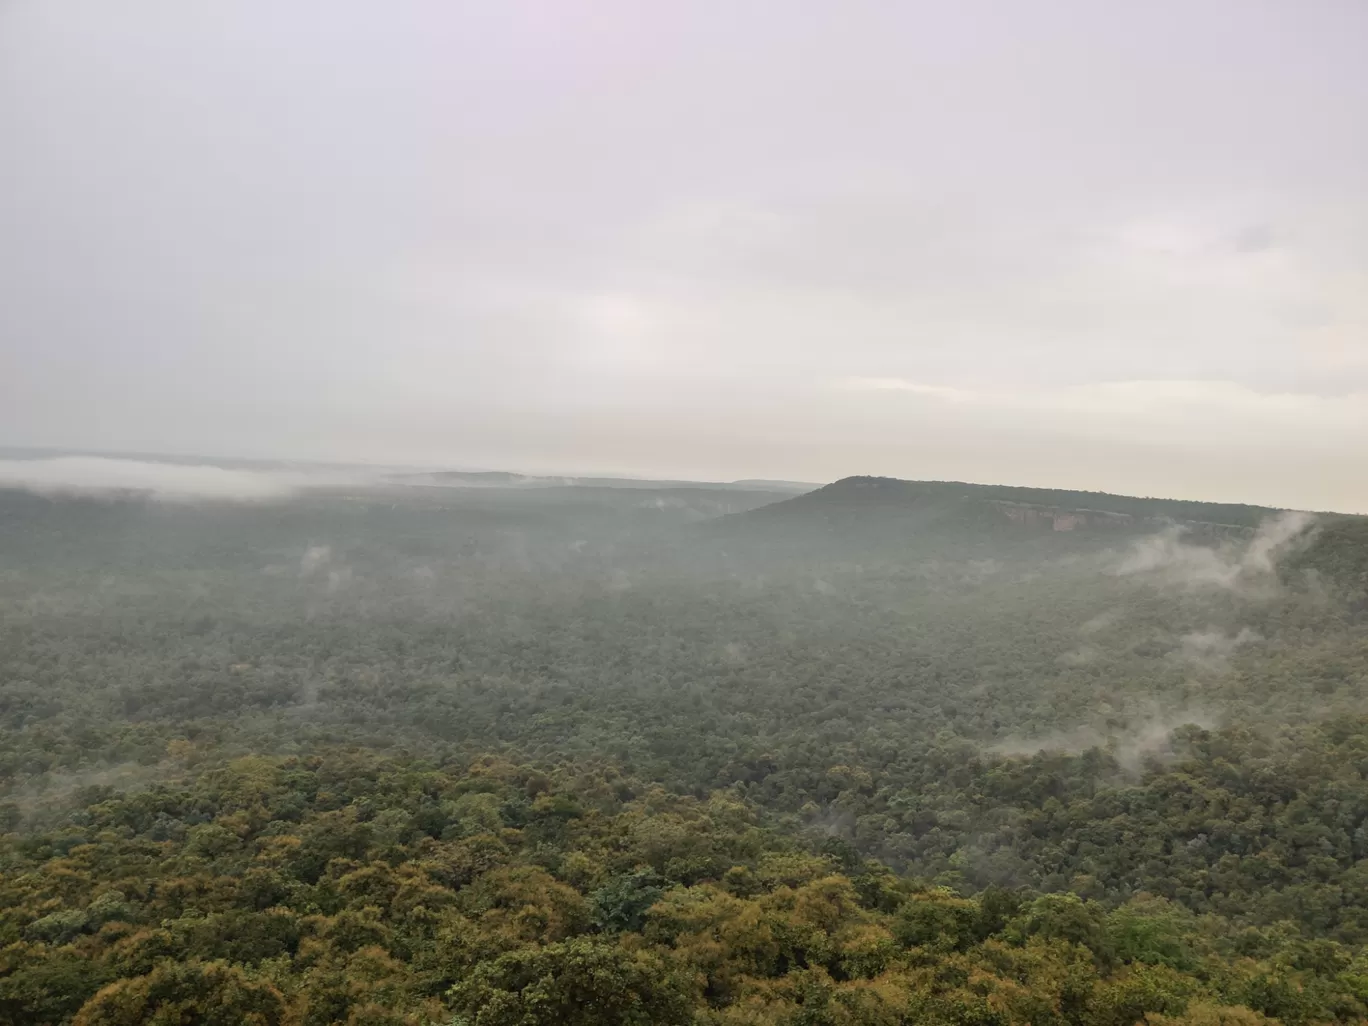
(887, 752)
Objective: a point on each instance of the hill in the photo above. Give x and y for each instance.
(1056, 509)
(891, 520)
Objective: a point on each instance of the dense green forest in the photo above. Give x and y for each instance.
(506, 752)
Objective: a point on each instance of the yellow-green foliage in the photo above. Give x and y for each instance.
(359, 890)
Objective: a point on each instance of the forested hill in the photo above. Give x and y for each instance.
(854, 497)
(1338, 555)
(512, 755)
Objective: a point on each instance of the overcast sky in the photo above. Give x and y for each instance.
(1107, 245)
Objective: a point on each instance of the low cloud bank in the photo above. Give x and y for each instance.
(167, 482)
(1232, 566)
(1212, 649)
(1149, 738)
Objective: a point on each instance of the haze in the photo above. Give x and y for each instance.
(1099, 246)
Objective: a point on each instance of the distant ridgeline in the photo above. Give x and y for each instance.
(505, 479)
(889, 521)
(1056, 509)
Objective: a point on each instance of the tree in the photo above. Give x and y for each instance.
(173, 994)
(581, 982)
(620, 905)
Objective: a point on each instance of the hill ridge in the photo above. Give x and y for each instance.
(1022, 504)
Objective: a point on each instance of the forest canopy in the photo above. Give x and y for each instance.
(491, 752)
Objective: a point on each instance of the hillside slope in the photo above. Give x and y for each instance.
(874, 496)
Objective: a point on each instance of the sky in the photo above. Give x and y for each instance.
(1108, 245)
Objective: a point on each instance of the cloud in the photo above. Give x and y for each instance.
(660, 273)
(1149, 738)
(1153, 408)
(1232, 566)
(166, 482)
(315, 557)
(1153, 740)
(1100, 622)
(1273, 539)
(1211, 649)
(319, 563)
(954, 395)
(1166, 555)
